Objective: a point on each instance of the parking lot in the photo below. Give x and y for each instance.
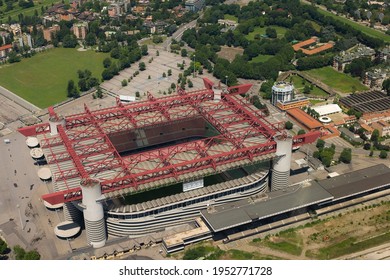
(157, 84)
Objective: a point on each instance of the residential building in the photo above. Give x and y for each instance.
(375, 117)
(48, 32)
(24, 40)
(384, 54)
(5, 36)
(194, 5)
(375, 77)
(80, 30)
(383, 127)
(345, 58)
(5, 50)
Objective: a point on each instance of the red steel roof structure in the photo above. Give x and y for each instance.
(83, 148)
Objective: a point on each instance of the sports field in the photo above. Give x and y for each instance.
(338, 81)
(42, 79)
(280, 31)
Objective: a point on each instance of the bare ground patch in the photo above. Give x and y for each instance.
(230, 53)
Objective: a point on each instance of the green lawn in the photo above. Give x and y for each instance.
(230, 17)
(27, 12)
(261, 30)
(298, 83)
(315, 25)
(365, 29)
(337, 80)
(42, 79)
(260, 58)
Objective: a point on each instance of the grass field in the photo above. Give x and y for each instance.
(261, 30)
(42, 79)
(298, 83)
(339, 81)
(365, 29)
(230, 17)
(27, 12)
(260, 58)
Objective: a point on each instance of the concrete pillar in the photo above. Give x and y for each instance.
(53, 122)
(95, 225)
(281, 165)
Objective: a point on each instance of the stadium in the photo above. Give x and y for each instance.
(141, 167)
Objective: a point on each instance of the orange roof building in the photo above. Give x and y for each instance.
(305, 120)
(314, 50)
(302, 44)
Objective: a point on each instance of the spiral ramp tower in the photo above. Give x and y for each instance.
(95, 224)
(282, 163)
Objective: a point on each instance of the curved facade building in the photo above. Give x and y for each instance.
(282, 91)
(156, 215)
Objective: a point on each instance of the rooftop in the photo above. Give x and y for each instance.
(357, 182)
(84, 147)
(236, 213)
(304, 118)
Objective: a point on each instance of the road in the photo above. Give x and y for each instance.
(177, 35)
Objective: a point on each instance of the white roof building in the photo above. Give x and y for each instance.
(328, 109)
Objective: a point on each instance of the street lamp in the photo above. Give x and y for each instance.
(226, 77)
(194, 67)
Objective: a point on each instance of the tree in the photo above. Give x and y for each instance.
(124, 82)
(375, 135)
(137, 94)
(32, 255)
(306, 89)
(288, 125)
(383, 154)
(72, 89)
(190, 84)
(320, 144)
(99, 92)
(346, 155)
(144, 50)
(271, 32)
(3, 247)
(164, 74)
(301, 131)
(169, 72)
(69, 41)
(386, 86)
(142, 66)
(183, 52)
(19, 252)
(13, 57)
(90, 39)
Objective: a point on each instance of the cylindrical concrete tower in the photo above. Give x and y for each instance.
(282, 165)
(54, 121)
(93, 213)
(282, 91)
